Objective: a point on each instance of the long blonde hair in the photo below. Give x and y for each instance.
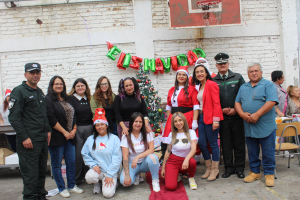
(175, 130)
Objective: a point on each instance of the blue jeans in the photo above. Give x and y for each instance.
(206, 133)
(57, 152)
(149, 164)
(267, 146)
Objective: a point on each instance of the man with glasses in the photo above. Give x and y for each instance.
(28, 117)
(231, 128)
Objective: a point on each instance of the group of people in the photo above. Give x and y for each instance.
(96, 134)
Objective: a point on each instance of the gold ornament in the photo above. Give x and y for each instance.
(159, 110)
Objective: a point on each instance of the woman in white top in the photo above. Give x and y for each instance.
(138, 153)
(11, 137)
(182, 142)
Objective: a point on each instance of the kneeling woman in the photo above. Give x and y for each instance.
(138, 153)
(182, 142)
(102, 153)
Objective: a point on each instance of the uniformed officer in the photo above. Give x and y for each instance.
(231, 128)
(28, 117)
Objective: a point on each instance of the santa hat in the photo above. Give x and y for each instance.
(203, 62)
(100, 116)
(183, 69)
(7, 92)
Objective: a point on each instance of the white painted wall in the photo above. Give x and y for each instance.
(63, 45)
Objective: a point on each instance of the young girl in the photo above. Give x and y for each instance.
(182, 142)
(138, 153)
(102, 153)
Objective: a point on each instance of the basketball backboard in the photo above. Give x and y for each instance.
(187, 14)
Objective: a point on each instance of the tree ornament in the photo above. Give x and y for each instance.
(148, 107)
(159, 66)
(158, 130)
(147, 82)
(174, 63)
(136, 60)
(127, 60)
(200, 53)
(120, 61)
(182, 60)
(143, 97)
(113, 51)
(152, 125)
(192, 57)
(167, 65)
(160, 110)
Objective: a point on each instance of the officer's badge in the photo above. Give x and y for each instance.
(11, 103)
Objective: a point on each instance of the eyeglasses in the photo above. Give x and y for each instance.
(103, 84)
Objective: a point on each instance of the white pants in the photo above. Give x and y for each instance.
(93, 177)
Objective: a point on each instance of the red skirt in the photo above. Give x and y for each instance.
(189, 118)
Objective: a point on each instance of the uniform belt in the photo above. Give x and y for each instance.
(180, 109)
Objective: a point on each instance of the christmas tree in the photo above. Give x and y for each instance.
(155, 113)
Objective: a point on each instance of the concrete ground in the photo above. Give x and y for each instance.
(287, 186)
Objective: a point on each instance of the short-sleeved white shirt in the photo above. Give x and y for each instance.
(138, 145)
(182, 146)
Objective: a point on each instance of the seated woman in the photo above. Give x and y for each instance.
(138, 153)
(293, 103)
(102, 153)
(182, 142)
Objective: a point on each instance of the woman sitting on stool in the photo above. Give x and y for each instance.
(138, 153)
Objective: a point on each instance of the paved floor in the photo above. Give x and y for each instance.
(287, 186)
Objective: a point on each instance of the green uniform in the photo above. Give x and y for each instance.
(28, 117)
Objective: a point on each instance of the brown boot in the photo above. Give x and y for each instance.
(208, 169)
(270, 180)
(252, 177)
(214, 174)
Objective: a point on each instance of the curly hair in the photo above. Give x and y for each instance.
(122, 91)
(98, 95)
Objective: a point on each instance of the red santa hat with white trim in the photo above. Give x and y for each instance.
(100, 116)
(7, 92)
(183, 69)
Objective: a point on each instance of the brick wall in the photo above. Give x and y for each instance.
(253, 11)
(87, 62)
(62, 19)
(242, 51)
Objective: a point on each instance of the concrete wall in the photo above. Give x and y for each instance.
(71, 40)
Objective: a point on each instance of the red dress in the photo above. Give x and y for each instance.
(180, 104)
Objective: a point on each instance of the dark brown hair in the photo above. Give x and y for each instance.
(98, 95)
(5, 105)
(143, 130)
(96, 134)
(195, 80)
(87, 90)
(186, 87)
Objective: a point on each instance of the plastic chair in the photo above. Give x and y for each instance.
(288, 130)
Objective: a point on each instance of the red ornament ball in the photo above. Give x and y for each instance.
(152, 125)
(147, 82)
(143, 97)
(148, 108)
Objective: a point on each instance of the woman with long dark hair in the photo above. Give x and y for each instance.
(138, 153)
(80, 97)
(104, 98)
(210, 115)
(4, 112)
(182, 142)
(127, 102)
(102, 153)
(181, 98)
(62, 119)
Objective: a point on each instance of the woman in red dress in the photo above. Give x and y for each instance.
(181, 98)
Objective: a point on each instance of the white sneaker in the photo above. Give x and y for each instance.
(96, 189)
(65, 193)
(155, 185)
(137, 180)
(141, 178)
(192, 183)
(76, 190)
